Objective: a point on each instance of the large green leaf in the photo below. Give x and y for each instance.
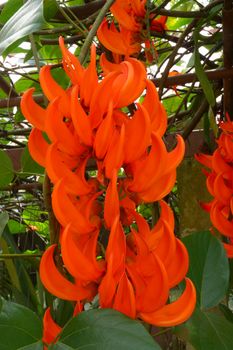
(105, 329)
(25, 21)
(19, 326)
(6, 169)
(207, 331)
(208, 268)
(9, 9)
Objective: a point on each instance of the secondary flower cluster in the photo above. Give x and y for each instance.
(132, 30)
(106, 246)
(220, 185)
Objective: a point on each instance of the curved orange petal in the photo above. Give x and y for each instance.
(55, 282)
(99, 105)
(137, 135)
(115, 41)
(107, 287)
(165, 247)
(37, 146)
(220, 221)
(78, 264)
(51, 329)
(175, 157)
(219, 164)
(34, 113)
(124, 17)
(104, 134)
(66, 211)
(52, 89)
(108, 66)
(131, 82)
(57, 129)
(155, 109)
(80, 120)
(178, 265)
(160, 188)
(90, 78)
(221, 191)
(115, 154)
(111, 203)
(229, 249)
(175, 313)
(151, 168)
(57, 168)
(71, 64)
(124, 300)
(155, 292)
(117, 251)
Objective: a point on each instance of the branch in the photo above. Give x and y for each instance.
(181, 79)
(92, 32)
(82, 12)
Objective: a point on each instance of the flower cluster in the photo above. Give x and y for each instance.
(106, 247)
(220, 184)
(127, 37)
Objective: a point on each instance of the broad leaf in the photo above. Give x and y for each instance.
(105, 329)
(19, 326)
(9, 9)
(208, 268)
(207, 330)
(25, 21)
(6, 169)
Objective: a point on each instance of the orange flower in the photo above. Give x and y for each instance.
(220, 185)
(133, 272)
(128, 38)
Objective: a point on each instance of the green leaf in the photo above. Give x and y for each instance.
(6, 169)
(16, 227)
(29, 165)
(60, 346)
(9, 9)
(105, 329)
(25, 21)
(207, 331)
(4, 217)
(34, 346)
(50, 9)
(208, 268)
(19, 326)
(202, 77)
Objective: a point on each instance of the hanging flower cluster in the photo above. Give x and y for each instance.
(106, 247)
(132, 30)
(220, 184)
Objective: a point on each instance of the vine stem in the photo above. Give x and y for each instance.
(92, 32)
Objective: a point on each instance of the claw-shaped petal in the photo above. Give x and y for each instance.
(56, 283)
(66, 212)
(80, 265)
(175, 313)
(51, 329)
(37, 146)
(80, 120)
(34, 113)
